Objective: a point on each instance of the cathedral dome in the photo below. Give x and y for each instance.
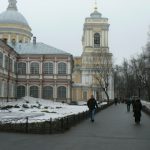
(13, 25)
(96, 14)
(13, 17)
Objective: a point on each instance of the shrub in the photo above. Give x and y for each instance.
(25, 106)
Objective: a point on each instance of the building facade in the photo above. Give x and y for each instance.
(95, 63)
(30, 68)
(39, 70)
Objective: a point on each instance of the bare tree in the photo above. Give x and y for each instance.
(147, 68)
(103, 71)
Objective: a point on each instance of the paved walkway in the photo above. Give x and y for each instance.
(114, 129)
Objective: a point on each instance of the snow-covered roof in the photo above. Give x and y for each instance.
(38, 48)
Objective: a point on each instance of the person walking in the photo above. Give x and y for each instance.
(92, 105)
(116, 100)
(137, 107)
(128, 102)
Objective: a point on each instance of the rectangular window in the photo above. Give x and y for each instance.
(5, 89)
(85, 95)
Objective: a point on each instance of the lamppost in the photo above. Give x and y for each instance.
(147, 68)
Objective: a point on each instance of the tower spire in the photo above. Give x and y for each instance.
(95, 5)
(12, 5)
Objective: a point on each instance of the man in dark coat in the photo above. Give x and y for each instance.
(137, 107)
(92, 105)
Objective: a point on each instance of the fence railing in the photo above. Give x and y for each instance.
(59, 125)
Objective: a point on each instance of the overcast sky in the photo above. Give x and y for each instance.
(59, 23)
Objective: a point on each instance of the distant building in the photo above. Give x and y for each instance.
(95, 48)
(30, 69)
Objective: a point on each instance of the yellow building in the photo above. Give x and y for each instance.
(95, 60)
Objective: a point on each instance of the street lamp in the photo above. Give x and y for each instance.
(147, 68)
(147, 57)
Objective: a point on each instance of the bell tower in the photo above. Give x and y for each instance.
(95, 32)
(95, 54)
(93, 70)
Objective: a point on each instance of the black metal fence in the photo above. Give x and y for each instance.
(60, 125)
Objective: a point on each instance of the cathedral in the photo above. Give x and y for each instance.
(31, 68)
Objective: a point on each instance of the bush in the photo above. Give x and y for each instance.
(7, 107)
(46, 111)
(16, 106)
(25, 106)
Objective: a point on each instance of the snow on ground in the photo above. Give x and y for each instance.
(145, 103)
(38, 109)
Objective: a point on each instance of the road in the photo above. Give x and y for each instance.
(113, 129)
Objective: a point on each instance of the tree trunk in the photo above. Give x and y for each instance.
(148, 92)
(106, 95)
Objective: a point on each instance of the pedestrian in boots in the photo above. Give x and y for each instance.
(92, 105)
(137, 107)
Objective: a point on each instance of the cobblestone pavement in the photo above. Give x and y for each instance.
(113, 129)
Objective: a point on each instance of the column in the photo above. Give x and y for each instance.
(40, 91)
(27, 90)
(2, 89)
(106, 38)
(68, 93)
(103, 38)
(55, 67)
(28, 66)
(55, 92)
(17, 38)
(9, 38)
(68, 68)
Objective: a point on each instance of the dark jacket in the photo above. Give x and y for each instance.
(137, 106)
(92, 104)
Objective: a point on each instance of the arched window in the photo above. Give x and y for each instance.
(96, 40)
(34, 92)
(48, 68)
(20, 91)
(1, 59)
(47, 92)
(21, 68)
(61, 92)
(34, 69)
(62, 68)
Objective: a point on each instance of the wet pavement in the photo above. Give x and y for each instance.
(113, 129)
